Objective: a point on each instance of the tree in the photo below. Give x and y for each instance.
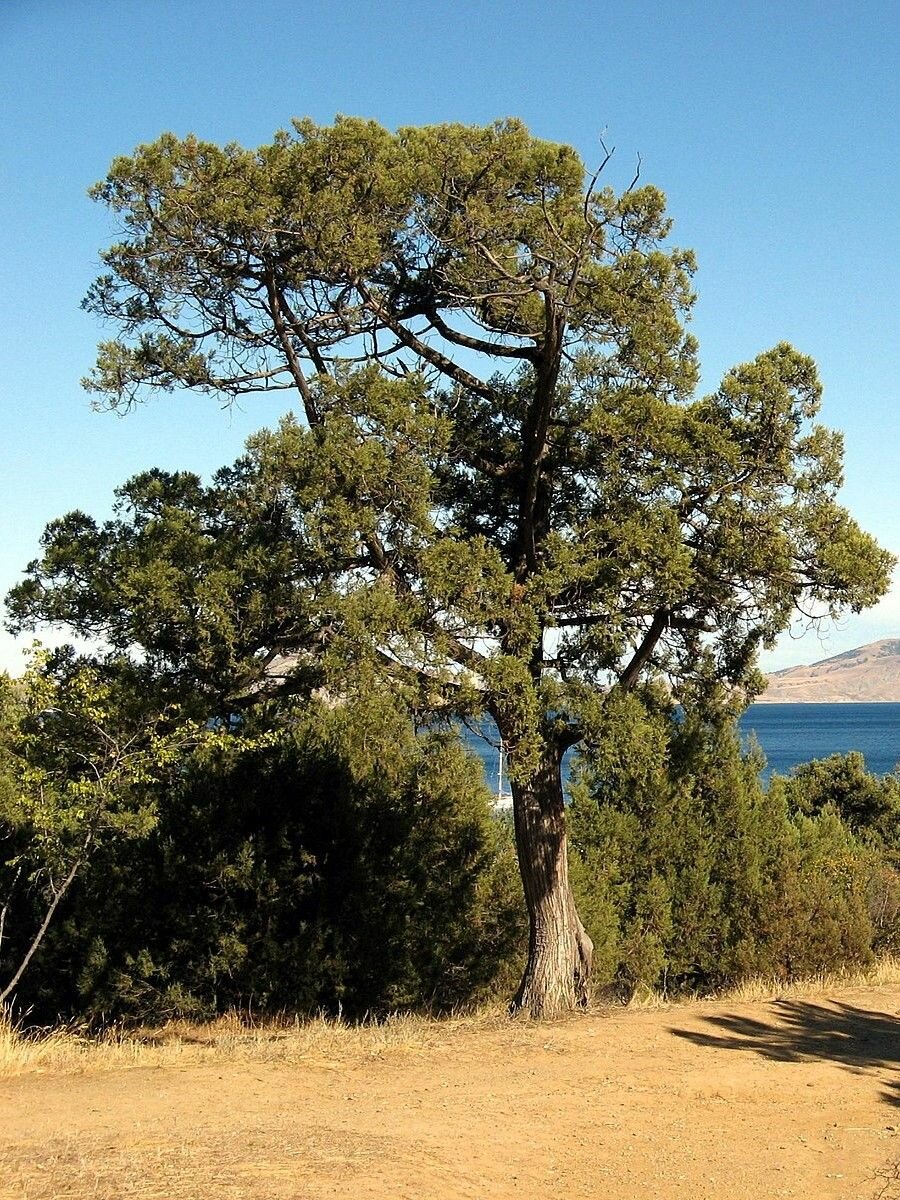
(80, 747)
(869, 804)
(498, 492)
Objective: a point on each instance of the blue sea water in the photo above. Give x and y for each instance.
(789, 734)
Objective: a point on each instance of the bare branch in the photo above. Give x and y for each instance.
(312, 412)
(495, 349)
(308, 344)
(589, 192)
(629, 676)
(445, 365)
(637, 175)
(58, 894)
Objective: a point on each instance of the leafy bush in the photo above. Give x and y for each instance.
(343, 864)
(690, 875)
(869, 805)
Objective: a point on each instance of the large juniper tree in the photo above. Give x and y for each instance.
(498, 491)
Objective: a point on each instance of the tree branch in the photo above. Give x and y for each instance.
(312, 413)
(629, 676)
(438, 360)
(497, 350)
(45, 924)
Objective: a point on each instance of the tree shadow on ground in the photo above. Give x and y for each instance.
(801, 1031)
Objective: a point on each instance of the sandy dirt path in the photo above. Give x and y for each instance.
(710, 1101)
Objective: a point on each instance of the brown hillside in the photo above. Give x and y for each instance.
(868, 674)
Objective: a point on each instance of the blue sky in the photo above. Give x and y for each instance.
(772, 129)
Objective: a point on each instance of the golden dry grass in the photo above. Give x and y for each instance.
(315, 1041)
(885, 971)
(324, 1040)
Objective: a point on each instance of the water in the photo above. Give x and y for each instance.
(788, 733)
(795, 733)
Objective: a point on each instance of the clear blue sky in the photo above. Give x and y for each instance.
(772, 128)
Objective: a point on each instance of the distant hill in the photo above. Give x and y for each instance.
(865, 675)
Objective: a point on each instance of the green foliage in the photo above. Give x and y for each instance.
(869, 804)
(499, 493)
(82, 746)
(516, 487)
(347, 865)
(688, 874)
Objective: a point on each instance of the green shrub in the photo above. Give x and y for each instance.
(869, 804)
(690, 875)
(350, 865)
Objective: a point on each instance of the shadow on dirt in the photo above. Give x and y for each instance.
(800, 1031)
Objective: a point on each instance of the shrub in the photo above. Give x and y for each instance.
(690, 875)
(348, 865)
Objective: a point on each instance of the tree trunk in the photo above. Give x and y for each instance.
(557, 974)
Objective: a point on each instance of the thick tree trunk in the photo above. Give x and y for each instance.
(557, 974)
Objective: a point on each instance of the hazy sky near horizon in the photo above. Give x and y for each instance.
(773, 131)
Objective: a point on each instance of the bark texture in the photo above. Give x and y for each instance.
(557, 973)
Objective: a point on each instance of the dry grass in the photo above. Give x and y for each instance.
(181, 1167)
(728, 1102)
(325, 1041)
(322, 1041)
(884, 971)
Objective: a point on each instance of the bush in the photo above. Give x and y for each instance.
(689, 875)
(350, 865)
(869, 804)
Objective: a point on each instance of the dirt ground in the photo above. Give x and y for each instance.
(709, 1101)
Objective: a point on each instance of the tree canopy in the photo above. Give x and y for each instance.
(498, 490)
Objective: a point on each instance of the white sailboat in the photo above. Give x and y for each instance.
(503, 799)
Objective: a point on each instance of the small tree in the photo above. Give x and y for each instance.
(79, 748)
(869, 804)
(690, 874)
(499, 492)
